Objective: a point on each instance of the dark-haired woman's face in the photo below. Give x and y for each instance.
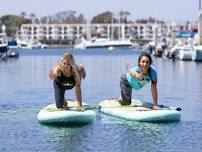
(144, 63)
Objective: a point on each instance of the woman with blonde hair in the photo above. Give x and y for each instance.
(66, 76)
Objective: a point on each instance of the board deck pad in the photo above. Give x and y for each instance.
(51, 114)
(139, 111)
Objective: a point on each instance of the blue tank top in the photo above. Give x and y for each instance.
(138, 84)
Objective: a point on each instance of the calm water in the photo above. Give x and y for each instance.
(24, 85)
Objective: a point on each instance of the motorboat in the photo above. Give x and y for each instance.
(197, 53)
(103, 43)
(3, 48)
(12, 44)
(185, 52)
(29, 44)
(13, 53)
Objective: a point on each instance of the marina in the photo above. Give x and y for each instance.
(65, 84)
(27, 89)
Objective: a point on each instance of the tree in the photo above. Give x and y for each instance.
(105, 17)
(32, 16)
(71, 17)
(23, 14)
(81, 18)
(12, 23)
(123, 15)
(44, 20)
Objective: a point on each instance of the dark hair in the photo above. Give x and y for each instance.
(150, 60)
(144, 54)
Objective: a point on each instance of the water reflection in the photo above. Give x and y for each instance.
(25, 84)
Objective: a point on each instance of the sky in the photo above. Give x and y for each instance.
(166, 10)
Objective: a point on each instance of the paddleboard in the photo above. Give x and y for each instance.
(52, 115)
(140, 111)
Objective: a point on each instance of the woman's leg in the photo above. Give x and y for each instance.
(126, 91)
(59, 95)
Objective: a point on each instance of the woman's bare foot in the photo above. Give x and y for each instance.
(66, 105)
(155, 107)
(80, 109)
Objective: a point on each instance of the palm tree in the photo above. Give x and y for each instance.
(123, 15)
(32, 16)
(23, 14)
(126, 16)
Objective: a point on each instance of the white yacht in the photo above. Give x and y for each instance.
(103, 43)
(30, 44)
(185, 52)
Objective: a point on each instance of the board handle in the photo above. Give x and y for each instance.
(170, 108)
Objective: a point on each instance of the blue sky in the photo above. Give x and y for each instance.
(167, 10)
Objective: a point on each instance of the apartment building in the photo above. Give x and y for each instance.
(136, 31)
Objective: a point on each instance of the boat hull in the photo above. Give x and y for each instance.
(197, 54)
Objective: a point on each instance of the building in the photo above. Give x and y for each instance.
(136, 31)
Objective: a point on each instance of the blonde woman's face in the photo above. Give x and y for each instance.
(65, 63)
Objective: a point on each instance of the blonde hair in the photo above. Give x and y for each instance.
(74, 66)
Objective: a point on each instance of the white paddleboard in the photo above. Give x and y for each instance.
(51, 115)
(140, 111)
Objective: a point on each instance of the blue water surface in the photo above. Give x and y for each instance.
(25, 88)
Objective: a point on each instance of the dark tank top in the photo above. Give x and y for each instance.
(65, 82)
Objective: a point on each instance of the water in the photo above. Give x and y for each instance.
(24, 85)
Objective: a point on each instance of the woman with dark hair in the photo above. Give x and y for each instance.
(66, 76)
(137, 77)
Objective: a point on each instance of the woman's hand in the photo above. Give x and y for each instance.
(139, 76)
(82, 71)
(51, 75)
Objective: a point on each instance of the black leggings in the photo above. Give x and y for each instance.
(59, 95)
(126, 91)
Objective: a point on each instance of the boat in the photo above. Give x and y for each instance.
(13, 53)
(140, 111)
(3, 49)
(185, 52)
(30, 44)
(52, 115)
(12, 44)
(197, 53)
(155, 49)
(103, 43)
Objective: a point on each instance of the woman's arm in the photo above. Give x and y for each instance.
(137, 75)
(78, 95)
(81, 71)
(77, 87)
(56, 72)
(154, 94)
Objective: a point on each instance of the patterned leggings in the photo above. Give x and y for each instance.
(126, 91)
